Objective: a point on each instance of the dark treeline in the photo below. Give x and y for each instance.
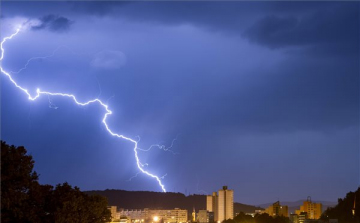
(259, 218)
(24, 200)
(344, 211)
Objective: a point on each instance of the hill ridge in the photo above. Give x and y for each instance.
(160, 200)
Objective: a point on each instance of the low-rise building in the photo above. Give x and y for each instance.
(259, 211)
(168, 216)
(113, 211)
(302, 217)
(277, 210)
(203, 216)
(313, 210)
(211, 217)
(148, 215)
(294, 218)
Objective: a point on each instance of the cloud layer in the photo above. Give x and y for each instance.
(53, 23)
(265, 89)
(328, 28)
(109, 59)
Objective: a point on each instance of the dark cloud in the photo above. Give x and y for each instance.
(229, 17)
(191, 70)
(273, 31)
(209, 15)
(53, 23)
(326, 28)
(97, 8)
(298, 97)
(334, 28)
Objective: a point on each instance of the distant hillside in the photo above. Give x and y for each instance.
(295, 205)
(157, 200)
(238, 207)
(153, 200)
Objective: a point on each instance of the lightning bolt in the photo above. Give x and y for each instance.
(71, 96)
(134, 176)
(197, 186)
(161, 146)
(40, 58)
(51, 104)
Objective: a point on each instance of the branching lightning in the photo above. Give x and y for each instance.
(71, 96)
(163, 177)
(39, 58)
(51, 104)
(159, 146)
(134, 176)
(197, 186)
(162, 147)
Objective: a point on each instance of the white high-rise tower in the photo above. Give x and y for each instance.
(222, 204)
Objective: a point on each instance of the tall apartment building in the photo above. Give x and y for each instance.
(222, 204)
(212, 203)
(313, 210)
(277, 210)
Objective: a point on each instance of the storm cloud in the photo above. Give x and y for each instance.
(53, 23)
(265, 89)
(329, 27)
(109, 59)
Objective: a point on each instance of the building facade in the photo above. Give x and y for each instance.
(113, 211)
(132, 214)
(212, 204)
(313, 210)
(211, 217)
(277, 210)
(149, 215)
(203, 216)
(168, 216)
(294, 218)
(302, 217)
(222, 204)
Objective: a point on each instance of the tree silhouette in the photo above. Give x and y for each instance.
(343, 211)
(17, 180)
(23, 199)
(259, 218)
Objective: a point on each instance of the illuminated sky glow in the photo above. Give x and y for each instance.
(262, 97)
(108, 111)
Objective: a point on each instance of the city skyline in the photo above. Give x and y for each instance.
(259, 100)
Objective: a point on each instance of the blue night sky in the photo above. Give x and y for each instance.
(260, 96)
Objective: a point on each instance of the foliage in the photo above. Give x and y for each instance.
(343, 210)
(17, 178)
(259, 218)
(71, 205)
(243, 218)
(229, 221)
(23, 199)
